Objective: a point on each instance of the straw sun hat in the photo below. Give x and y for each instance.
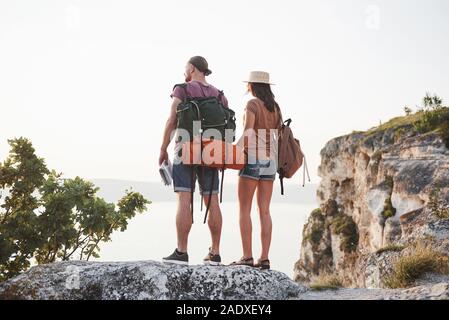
(259, 77)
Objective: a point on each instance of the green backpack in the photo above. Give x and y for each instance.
(213, 115)
(210, 111)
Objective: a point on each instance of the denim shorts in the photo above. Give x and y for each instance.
(182, 175)
(259, 170)
(182, 178)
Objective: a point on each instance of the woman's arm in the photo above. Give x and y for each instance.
(249, 119)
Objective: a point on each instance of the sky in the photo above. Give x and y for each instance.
(89, 82)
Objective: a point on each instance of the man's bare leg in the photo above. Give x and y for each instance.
(183, 220)
(215, 222)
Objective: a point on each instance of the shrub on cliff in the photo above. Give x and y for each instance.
(421, 259)
(317, 227)
(388, 210)
(433, 116)
(326, 281)
(344, 226)
(44, 218)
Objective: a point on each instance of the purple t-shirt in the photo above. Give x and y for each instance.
(196, 89)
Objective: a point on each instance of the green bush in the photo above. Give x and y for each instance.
(316, 233)
(317, 214)
(408, 111)
(433, 116)
(388, 210)
(317, 229)
(344, 226)
(46, 218)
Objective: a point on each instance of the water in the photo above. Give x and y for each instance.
(152, 235)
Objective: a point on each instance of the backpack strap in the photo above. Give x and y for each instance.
(192, 177)
(202, 179)
(283, 124)
(220, 95)
(221, 185)
(305, 169)
(210, 197)
(281, 180)
(202, 167)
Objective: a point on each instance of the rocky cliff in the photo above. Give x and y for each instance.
(381, 193)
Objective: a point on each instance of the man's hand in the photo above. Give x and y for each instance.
(163, 156)
(170, 127)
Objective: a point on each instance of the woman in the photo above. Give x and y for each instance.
(262, 118)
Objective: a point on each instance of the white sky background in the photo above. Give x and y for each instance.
(89, 81)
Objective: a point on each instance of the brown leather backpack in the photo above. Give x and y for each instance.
(290, 155)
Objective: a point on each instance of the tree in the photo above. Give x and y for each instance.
(408, 111)
(434, 116)
(432, 102)
(46, 218)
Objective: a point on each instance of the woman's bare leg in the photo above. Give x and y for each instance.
(246, 188)
(264, 192)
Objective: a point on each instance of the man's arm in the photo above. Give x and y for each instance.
(170, 127)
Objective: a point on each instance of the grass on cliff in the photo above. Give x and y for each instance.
(398, 122)
(326, 282)
(431, 117)
(411, 266)
(391, 248)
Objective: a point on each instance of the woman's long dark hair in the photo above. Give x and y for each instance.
(264, 93)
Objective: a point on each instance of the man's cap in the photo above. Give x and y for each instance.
(201, 64)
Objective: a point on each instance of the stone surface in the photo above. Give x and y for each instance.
(438, 291)
(152, 280)
(147, 280)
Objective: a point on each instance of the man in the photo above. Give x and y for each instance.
(195, 74)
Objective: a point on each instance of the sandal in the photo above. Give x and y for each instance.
(263, 264)
(244, 262)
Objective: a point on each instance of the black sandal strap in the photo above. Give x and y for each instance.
(243, 261)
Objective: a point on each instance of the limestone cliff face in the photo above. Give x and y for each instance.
(374, 192)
